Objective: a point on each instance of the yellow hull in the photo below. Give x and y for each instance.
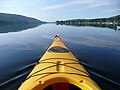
(58, 67)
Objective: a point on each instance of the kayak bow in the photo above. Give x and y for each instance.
(58, 69)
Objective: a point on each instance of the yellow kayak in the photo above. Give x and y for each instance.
(58, 69)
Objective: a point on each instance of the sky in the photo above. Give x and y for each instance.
(52, 10)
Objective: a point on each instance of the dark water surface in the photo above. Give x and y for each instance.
(97, 48)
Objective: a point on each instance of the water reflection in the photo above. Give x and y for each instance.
(111, 26)
(15, 27)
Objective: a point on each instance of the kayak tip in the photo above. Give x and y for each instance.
(57, 35)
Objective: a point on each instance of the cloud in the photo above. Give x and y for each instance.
(70, 3)
(98, 4)
(61, 5)
(87, 3)
(116, 10)
(103, 3)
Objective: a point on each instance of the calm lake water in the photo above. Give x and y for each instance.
(97, 48)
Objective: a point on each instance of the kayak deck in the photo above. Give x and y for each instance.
(58, 69)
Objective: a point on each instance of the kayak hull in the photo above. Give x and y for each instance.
(58, 67)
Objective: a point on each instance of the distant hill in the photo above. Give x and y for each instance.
(115, 17)
(15, 23)
(112, 19)
(13, 18)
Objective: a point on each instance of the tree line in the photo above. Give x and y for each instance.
(112, 20)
